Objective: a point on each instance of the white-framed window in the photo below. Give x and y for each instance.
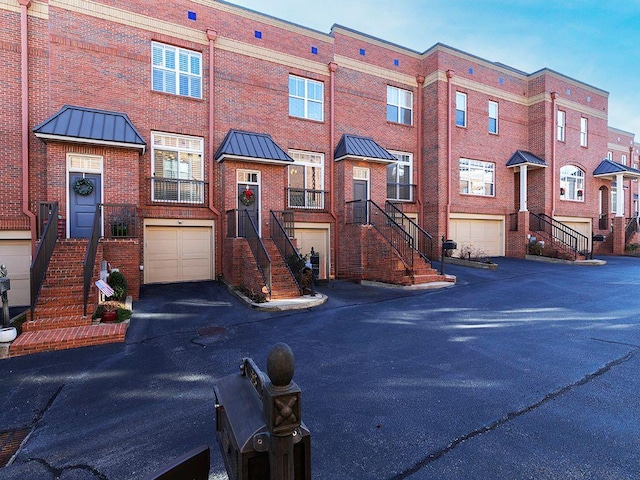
(176, 70)
(477, 177)
(623, 159)
(614, 200)
(584, 126)
(306, 98)
(306, 180)
(177, 168)
(609, 155)
(493, 117)
(399, 105)
(461, 109)
(561, 121)
(571, 183)
(399, 177)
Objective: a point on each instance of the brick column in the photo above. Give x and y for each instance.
(618, 235)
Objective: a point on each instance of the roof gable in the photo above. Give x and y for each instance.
(258, 147)
(362, 147)
(522, 157)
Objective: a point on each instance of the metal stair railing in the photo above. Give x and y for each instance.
(399, 239)
(40, 263)
(422, 240)
(281, 236)
(561, 233)
(250, 231)
(633, 226)
(90, 256)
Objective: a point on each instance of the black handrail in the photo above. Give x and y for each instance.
(582, 241)
(40, 263)
(398, 237)
(283, 242)
(561, 233)
(90, 256)
(44, 210)
(250, 231)
(306, 198)
(633, 226)
(422, 240)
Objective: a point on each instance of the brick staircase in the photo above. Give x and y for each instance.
(59, 321)
(555, 249)
(282, 284)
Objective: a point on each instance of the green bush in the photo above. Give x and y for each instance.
(119, 284)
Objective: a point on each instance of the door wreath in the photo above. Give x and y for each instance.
(247, 197)
(83, 187)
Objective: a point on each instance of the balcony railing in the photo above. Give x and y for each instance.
(120, 220)
(309, 199)
(400, 192)
(175, 190)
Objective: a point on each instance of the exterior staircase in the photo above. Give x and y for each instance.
(58, 321)
(283, 285)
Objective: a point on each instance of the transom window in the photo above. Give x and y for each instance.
(493, 117)
(571, 183)
(399, 105)
(177, 167)
(561, 124)
(461, 109)
(306, 98)
(176, 70)
(477, 177)
(306, 180)
(399, 177)
(583, 131)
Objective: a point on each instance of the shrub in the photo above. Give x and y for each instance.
(119, 284)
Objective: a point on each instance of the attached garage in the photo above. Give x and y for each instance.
(16, 255)
(310, 235)
(178, 253)
(581, 225)
(482, 233)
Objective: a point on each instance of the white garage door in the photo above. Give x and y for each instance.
(319, 240)
(178, 254)
(482, 235)
(581, 227)
(16, 255)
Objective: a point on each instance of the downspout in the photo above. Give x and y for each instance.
(450, 74)
(554, 140)
(332, 129)
(211, 35)
(420, 80)
(631, 210)
(24, 55)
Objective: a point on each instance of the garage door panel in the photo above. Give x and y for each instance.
(16, 255)
(484, 235)
(318, 239)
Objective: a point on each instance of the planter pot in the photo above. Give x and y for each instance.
(109, 316)
(8, 334)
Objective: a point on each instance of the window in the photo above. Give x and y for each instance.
(399, 176)
(461, 109)
(176, 70)
(493, 117)
(614, 200)
(583, 132)
(306, 180)
(562, 117)
(609, 156)
(623, 159)
(306, 98)
(571, 183)
(177, 168)
(477, 177)
(399, 105)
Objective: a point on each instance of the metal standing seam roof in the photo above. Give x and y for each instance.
(87, 125)
(522, 157)
(363, 147)
(609, 167)
(258, 147)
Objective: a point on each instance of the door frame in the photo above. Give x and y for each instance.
(92, 164)
(362, 174)
(257, 182)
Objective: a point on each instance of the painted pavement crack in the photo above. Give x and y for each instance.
(513, 415)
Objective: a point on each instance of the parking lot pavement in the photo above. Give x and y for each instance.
(527, 371)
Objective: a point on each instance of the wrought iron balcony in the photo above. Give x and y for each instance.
(307, 199)
(175, 190)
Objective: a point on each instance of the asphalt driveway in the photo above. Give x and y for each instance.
(525, 372)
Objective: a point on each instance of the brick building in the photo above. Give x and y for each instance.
(193, 121)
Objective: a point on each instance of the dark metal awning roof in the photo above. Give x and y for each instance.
(610, 169)
(522, 157)
(364, 148)
(255, 147)
(87, 125)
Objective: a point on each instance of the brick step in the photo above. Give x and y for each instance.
(71, 337)
(284, 294)
(76, 291)
(45, 301)
(57, 310)
(56, 322)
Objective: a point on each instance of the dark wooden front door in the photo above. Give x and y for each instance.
(360, 192)
(253, 209)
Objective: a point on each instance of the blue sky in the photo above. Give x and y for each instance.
(596, 42)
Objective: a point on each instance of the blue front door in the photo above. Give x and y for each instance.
(82, 205)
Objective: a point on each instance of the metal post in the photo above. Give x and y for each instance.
(5, 285)
(442, 257)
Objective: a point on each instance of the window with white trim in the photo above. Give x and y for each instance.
(614, 200)
(461, 109)
(571, 183)
(177, 168)
(306, 180)
(623, 159)
(584, 123)
(399, 177)
(477, 177)
(306, 98)
(493, 117)
(176, 70)
(561, 121)
(399, 105)
(609, 155)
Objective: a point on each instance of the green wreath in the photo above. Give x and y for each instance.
(247, 197)
(83, 187)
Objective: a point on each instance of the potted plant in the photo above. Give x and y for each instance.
(579, 193)
(562, 191)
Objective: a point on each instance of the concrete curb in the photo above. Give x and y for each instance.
(583, 263)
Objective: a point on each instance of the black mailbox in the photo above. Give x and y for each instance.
(253, 417)
(5, 284)
(599, 238)
(449, 245)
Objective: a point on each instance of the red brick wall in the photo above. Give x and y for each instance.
(125, 256)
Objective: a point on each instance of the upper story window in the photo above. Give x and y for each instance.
(477, 177)
(571, 183)
(399, 176)
(399, 105)
(176, 70)
(623, 159)
(306, 180)
(461, 109)
(609, 155)
(177, 168)
(583, 131)
(493, 117)
(306, 98)
(561, 120)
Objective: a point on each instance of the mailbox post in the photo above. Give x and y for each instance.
(446, 245)
(5, 286)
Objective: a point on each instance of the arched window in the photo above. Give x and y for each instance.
(571, 183)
